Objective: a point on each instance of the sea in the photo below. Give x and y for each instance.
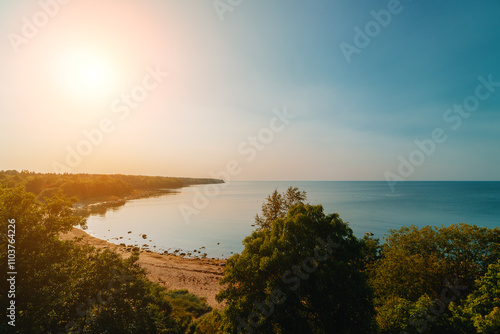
(214, 219)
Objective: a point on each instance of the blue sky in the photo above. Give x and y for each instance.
(353, 121)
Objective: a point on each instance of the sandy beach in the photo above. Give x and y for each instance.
(199, 276)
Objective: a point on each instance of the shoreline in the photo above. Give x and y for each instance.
(200, 276)
(102, 205)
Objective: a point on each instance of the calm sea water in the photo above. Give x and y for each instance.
(226, 220)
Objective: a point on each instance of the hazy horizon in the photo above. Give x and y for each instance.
(261, 180)
(281, 91)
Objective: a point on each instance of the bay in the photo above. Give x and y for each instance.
(221, 222)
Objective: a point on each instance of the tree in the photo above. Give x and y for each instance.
(417, 261)
(301, 274)
(64, 287)
(34, 185)
(210, 323)
(482, 306)
(277, 205)
(423, 264)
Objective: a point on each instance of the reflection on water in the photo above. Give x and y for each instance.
(219, 228)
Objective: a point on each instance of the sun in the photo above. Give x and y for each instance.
(93, 73)
(86, 73)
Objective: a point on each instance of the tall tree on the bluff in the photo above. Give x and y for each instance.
(301, 272)
(277, 205)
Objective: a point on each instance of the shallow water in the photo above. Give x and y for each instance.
(227, 218)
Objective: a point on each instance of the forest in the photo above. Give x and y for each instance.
(301, 271)
(93, 186)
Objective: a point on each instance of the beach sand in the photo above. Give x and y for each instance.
(199, 276)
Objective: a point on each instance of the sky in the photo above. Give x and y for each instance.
(252, 90)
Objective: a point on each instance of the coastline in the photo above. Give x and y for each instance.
(101, 205)
(200, 276)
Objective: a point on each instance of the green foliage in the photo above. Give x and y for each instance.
(91, 186)
(302, 274)
(63, 287)
(371, 251)
(426, 315)
(419, 261)
(34, 184)
(393, 316)
(210, 323)
(277, 205)
(482, 306)
(186, 304)
(419, 266)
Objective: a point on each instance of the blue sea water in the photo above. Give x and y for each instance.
(221, 222)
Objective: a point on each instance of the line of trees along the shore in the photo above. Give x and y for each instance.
(92, 186)
(302, 271)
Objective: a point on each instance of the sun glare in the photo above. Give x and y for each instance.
(87, 74)
(93, 73)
